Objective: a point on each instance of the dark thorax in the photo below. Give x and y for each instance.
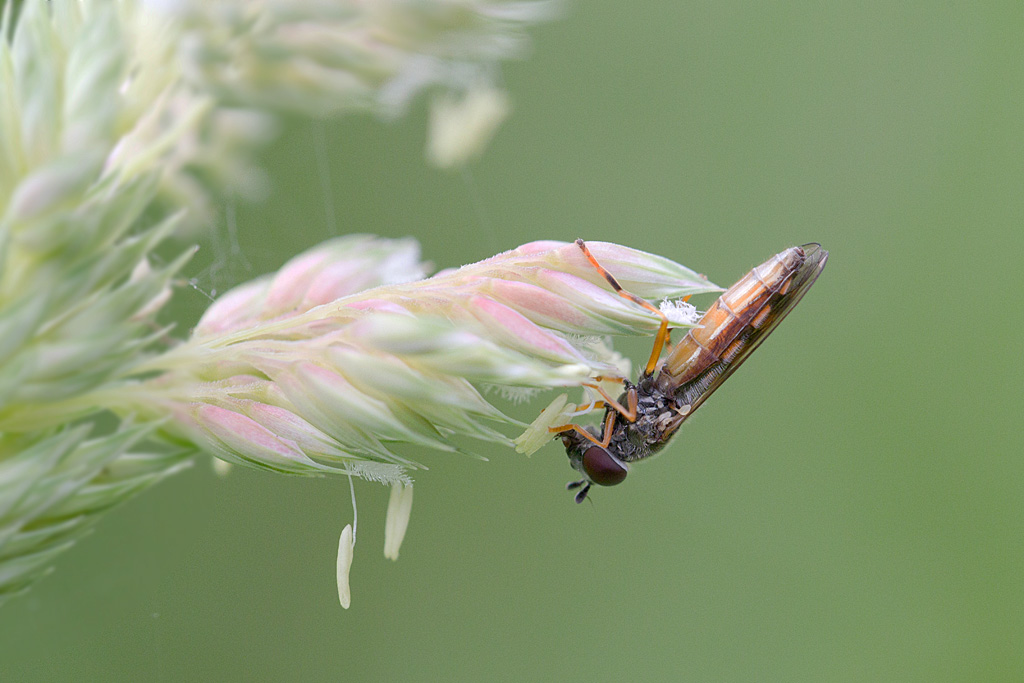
(658, 416)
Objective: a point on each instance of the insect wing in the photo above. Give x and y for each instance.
(801, 281)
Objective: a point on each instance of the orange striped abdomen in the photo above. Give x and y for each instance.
(720, 335)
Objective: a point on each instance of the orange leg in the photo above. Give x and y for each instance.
(660, 339)
(593, 405)
(609, 422)
(628, 413)
(605, 378)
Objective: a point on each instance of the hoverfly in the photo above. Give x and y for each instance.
(647, 414)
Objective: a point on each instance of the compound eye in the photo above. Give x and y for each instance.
(602, 468)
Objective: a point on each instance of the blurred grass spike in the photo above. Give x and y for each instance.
(122, 126)
(461, 128)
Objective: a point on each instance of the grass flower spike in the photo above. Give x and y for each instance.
(307, 386)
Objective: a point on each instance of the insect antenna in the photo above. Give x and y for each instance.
(582, 495)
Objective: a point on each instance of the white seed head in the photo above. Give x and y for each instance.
(397, 520)
(680, 312)
(346, 548)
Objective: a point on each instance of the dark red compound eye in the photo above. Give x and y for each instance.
(602, 468)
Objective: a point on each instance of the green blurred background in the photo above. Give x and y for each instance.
(850, 507)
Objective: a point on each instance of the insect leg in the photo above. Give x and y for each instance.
(609, 422)
(593, 405)
(659, 340)
(631, 400)
(607, 378)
